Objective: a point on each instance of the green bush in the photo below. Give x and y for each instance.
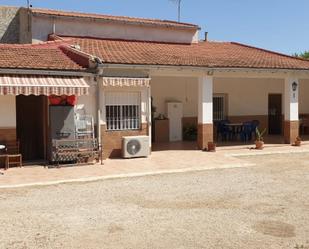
(190, 133)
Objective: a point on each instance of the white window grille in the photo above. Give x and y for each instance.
(123, 110)
(219, 107)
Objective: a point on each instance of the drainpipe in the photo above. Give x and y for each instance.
(98, 103)
(149, 116)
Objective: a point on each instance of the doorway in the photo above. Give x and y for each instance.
(31, 124)
(275, 114)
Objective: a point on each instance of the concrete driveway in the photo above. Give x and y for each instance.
(264, 206)
(178, 157)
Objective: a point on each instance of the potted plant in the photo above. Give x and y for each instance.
(259, 142)
(190, 133)
(297, 141)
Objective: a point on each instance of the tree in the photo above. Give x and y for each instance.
(178, 2)
(304, 55)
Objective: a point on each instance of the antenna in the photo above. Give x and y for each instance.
(178, 2)
(29, 5)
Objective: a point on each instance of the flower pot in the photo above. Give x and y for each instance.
(54, 100)
(297, 143)
(71, 100)
(211, 147)
(259, 145)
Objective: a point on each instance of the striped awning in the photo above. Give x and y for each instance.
(42, 85)
(123, 81)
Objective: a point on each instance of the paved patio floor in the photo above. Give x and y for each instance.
(166, 158)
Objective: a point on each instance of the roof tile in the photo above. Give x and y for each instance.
(47, 55)
(202, 54)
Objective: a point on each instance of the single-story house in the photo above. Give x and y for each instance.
(139, 71)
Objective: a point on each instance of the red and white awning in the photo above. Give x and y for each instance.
(123, 81)
(42, 85)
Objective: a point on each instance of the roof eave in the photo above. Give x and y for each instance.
(54, 72)
(203, 68)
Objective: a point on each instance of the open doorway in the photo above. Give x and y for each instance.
(274, 114)
(31, 122)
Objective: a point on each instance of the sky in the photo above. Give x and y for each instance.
(278, 25)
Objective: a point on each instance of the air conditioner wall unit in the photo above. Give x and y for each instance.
(135, 146)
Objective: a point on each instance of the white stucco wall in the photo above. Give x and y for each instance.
(248, 96)
(245, 96)
(7, 111)
(43, 26)
(304, 96)
(169, 89)
(87, 103)
(143, 91)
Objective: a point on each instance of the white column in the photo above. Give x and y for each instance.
(205, 112)
(291, 87)
(205, 95)
(291, 116)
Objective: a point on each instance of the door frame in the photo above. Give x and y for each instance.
(45, 122)
(280, 124)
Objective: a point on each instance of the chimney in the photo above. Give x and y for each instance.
(206, 36)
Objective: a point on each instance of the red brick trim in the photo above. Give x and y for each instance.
(204, 135)
(291, 131)
(7, 134)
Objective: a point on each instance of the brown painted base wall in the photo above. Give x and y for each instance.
(262, 118)
(188, 121)
(7, 134)
(204, 135)
(291, 131)
(112, 140)
(304, 123)
(162, 129)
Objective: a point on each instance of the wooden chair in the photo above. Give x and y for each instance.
(13, 154)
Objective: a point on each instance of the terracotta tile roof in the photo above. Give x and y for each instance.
(203, 54)
(124, 19)
(48, 55)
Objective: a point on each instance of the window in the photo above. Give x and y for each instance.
(122, 110)
(219, 107)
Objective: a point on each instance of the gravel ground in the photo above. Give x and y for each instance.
(266, 206)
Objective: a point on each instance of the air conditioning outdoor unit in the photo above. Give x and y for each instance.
(137, 146)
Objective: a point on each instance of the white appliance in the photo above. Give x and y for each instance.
(175, 115)
(137, 146)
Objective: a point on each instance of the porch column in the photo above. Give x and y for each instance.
(291, 117)
(205, 111)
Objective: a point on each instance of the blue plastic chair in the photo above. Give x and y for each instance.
(223, 130)
(246, 133)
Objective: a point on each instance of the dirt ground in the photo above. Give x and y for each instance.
(265, 206)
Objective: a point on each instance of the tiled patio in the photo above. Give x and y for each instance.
(166, 158)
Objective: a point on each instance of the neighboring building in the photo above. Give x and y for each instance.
(133, 60)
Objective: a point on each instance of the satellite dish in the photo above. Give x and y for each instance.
(133, 147)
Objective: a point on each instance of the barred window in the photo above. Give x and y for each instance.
(123, 110)
(219, 107)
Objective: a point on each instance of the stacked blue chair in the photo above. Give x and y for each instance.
(223, 130)
(246, 133)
